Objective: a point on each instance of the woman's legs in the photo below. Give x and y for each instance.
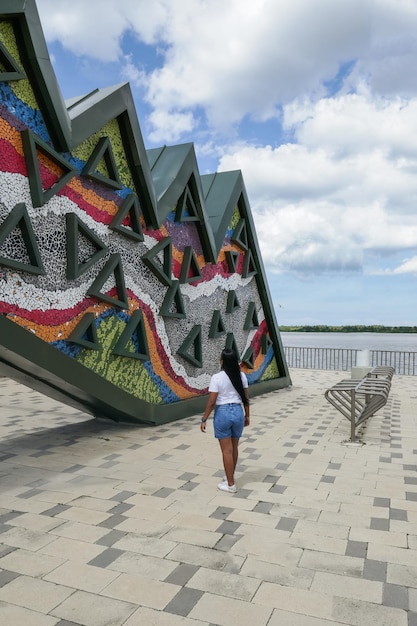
(229, 448)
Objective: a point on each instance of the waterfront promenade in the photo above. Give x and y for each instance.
(107, 524)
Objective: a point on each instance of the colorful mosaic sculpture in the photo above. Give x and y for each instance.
(123, 272)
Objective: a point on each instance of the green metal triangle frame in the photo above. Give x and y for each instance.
(114, 264)
(189, 262)
(19, 218)
(75, 227)
(135, 325)
(130, 205)
(103, 150)
(217, 327)
(86, 326)
(192, 339)
(173, 295)
(251, 320)
(232, 302)
(13, 71)
(31, 143)
(162, 273)
(248, 358)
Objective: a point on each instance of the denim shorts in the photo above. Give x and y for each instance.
(228, 421)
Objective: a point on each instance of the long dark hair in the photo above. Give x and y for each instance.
(230, 365)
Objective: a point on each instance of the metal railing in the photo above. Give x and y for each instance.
(404, 363)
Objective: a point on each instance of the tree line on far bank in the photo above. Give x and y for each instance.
(321, 328)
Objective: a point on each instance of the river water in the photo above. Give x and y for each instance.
(402, 342)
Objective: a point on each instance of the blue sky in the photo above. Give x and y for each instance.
(314, 100)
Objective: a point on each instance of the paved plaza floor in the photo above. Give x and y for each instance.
(105, 524)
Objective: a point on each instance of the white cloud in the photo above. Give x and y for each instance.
(345, 183)
(408, 266)
(348, 186)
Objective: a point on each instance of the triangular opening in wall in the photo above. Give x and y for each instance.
(251, 320)
(217, 327)
(232, 259)
(85, 333)
(19, 219)
(162, 270)
(248, 358)
(266, 343)
(192, 343)
(232, 302)
(173, 304)
(231, 343)
(129, 206)
(133, 335)
(190, 270)
(249, 268)
(47, 171)
(9, 68)
(186, 208)
(113, 265)
(77, 230)
(240, 235)
(102, 158)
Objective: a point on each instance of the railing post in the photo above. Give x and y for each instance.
(352, 416)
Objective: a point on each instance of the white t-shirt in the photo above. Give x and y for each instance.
(220, 383)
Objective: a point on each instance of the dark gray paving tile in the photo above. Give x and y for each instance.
(182, 574)
(242, 493)
(29, 494)
(7, 517)
(412, 618)
(395, 596)
(356, 548)
(73, 468)
(378, 523)
(306, 451)
(189, 486)
(228, 528)
(227, 542)
(55, 510)
(164, 492)
(292, 455)
(334, 466)
(410, 480)
(112, 521)
(375, 570)
(282, 466)
(270, 479)
(184, 601)
(65, 622)
(121, 508)
(398, 514)
(327, 479)
(112, 537)
(277, 489)
(383, 502)
(106, 557)
(6, 577)
(287, 523)
(123, 495)
(187, 476)
(411, 495)
(221, 512)
(263, 507)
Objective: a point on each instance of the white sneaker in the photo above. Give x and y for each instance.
(225, 487)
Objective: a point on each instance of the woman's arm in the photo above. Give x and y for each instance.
(211, 403)
(247, 412)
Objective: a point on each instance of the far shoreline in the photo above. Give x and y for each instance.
(348, 329)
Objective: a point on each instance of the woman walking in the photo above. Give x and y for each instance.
(228, 391)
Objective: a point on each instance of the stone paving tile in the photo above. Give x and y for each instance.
(86, 504)
(90, 609)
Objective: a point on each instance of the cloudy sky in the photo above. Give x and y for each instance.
(314, 100)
